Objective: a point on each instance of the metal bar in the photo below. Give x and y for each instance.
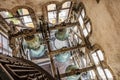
(53, 66)
(77, 71)
(51, 57)
(91, 59)
(66, 49)
(59, 9)
(76, 34)
(71, 6)
(4, 73)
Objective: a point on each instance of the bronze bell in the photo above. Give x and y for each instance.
(34, 43)
(69, 69)
(61, 34)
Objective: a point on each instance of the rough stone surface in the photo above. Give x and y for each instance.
(106, 29)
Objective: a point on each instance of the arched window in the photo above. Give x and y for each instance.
(84, 21)
(56, 16)
(87, 27)
(8, 16)
(105, 73)
(108, 74)
(4, 47)
(52, 13)
(51, 7)
(21, 18)
(82, 15)
(97, 56)
(101, 73)
(103, 70)
(92, 74)
(66, 4)
(64, 12)
(25, 17)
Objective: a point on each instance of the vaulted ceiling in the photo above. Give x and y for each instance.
(36, 5)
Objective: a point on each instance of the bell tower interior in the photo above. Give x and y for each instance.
(59, 40)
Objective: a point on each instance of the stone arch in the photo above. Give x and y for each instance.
(97, 47)
(30, 10)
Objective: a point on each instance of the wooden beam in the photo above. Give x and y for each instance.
(62, 26)
(27, 32)
(77, 71)
(66, 49)
(17, 16)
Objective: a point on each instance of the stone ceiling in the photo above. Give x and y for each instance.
(36, 5)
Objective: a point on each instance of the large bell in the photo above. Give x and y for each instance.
(73, 77)
(34, 43)
(61, 34)
(62, 57)
(38, 52)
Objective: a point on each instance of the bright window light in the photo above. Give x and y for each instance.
(51, 7)
(15, 20)
(61, 44)
(81, 21)
(100, 55)
(95, 58)
(108, 73)
(75, 28)
(76, 37)
(101, 73)
(83, 13)
(80, 41)
(66, 4)
(92, 74)
(85, 32)
(6, 14)
(63, 15)
(52, 17)
(52, 14)
(88, 26)
(5, 43)
(23, 11)
(27, 19)
(30, 25)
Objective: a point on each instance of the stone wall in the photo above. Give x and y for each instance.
(106, 29)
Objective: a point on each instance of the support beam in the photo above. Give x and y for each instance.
(77, 71)
(27, 32)
(37, 61)
(76, 34)
(66, 49)
(62, 26)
